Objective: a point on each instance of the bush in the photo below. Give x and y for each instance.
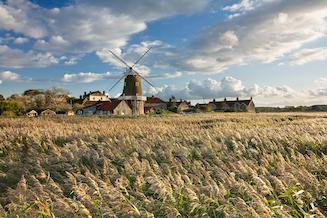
(8, 114)
(10, 106)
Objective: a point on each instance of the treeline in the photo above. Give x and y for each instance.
(56, 99)
(314, 108)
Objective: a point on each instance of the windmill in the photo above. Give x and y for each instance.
(132, 91)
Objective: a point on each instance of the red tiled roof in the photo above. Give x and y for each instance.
(154, 100)
(110, 106)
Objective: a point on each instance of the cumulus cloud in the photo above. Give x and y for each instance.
(227, 87)
(87, 77)
(9, 76)
(308, 55)
(269, 31)
(159, 53)
(88, 25)
(149, 9)
(321, 92)
(321, 80)
(15, 58)
(21, 40)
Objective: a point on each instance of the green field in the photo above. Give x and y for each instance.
(210, 165)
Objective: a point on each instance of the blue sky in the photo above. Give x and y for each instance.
(273, 50)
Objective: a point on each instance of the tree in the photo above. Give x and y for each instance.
(10, 106)
(2, 98)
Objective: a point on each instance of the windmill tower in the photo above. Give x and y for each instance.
(132, 91)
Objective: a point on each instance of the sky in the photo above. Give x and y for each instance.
(272, 50)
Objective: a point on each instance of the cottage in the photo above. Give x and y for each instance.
(48, 112)
(92, 98)
(115, 107)
(32, 113)
(237, 105)
(178, 106)
(88, 110)
(70, 113)
(204, 107)
(155, 103)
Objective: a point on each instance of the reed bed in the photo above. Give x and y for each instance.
(206, 165)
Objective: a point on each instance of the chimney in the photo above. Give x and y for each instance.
(80, 97)
(214, 100)
(225, 99)
(104, 92)
(251, 98)
(237, 99)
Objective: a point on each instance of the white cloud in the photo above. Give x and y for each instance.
(308, 55)
(88, 77)
(266, 33)
(231, 88)
(9, 76)
(244, 5)
(227, 87)
(321, 92)
(21, 40)
(15, 58)
(88, 25)
(321, 80)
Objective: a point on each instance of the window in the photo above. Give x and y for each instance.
(136, 84)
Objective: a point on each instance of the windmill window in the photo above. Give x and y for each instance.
(125, 83)
(136, 84)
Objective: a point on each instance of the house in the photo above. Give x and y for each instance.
(70, 113)
(237, 105)
(178, 106)
(115, 107)
(32, 113)
(155, 103)
(96, 96)
(47, 112)
(204, 107)
(89, 109)
(89, 99)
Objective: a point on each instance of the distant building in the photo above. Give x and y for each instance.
(32, 113)
(89, 109)
(47, 112)
(236, 105)
(115, 107)
(89, 99)
(179, 106)
(70, 113)
(96, 96)
(204, 107)
(154, 103)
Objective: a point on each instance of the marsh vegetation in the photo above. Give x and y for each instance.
(209, 165)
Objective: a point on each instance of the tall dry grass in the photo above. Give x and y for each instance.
(214, 165)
